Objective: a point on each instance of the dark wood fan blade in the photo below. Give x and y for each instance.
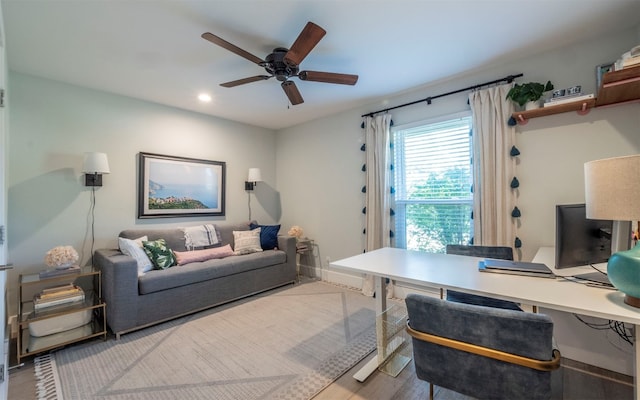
(306, 41)
(328, 77)
(231, 47)
(245, 80)
(292, 92)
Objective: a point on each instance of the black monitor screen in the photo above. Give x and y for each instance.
(580, 241)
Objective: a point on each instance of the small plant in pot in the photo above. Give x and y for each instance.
(529, 93)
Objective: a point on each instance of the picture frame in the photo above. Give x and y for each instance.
(170, 186)
(600, 71)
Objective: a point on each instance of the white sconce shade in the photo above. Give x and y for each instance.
(253, 177)
(95, 163)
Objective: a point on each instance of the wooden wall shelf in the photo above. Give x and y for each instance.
(617, 87)
(581, 107)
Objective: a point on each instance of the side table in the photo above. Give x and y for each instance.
(89, 280)
(306, 252)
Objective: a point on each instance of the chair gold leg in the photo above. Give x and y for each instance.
(430, 391)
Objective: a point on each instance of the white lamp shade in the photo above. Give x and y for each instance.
(254, 175)
(95, 163)
(612, 188)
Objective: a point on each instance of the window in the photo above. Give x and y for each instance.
(433, 179)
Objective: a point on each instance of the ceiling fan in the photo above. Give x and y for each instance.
(284, 63)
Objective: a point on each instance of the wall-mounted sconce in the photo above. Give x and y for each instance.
(253, 178)
(95, 164)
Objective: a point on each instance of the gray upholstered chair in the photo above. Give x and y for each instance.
(484, 352)
(496, 252)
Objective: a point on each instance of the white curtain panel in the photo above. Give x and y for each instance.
(494, 168)
(378, 184)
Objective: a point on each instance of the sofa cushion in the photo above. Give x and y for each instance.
(186, 257)
(245, 242)
(201, 236)
(159, 253)
(157, 280)
(174, 237)
(133, 248)
(268, 235)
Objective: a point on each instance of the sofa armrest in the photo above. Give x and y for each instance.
(119, 288)
(288, 245)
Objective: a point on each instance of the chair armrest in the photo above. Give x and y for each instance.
(540, 365)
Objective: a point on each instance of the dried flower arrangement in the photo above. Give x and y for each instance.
(61, 255)
(296, 231)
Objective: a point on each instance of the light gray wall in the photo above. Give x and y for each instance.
(323, 192)
(53, 124)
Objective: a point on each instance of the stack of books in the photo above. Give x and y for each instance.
(631, 62)
(568, 99)
(57, 296)
(50, 273)
(302, 246)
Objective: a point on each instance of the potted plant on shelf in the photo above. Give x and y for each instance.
(528, 95)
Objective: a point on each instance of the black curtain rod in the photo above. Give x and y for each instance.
(508, 79)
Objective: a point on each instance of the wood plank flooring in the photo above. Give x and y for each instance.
(580, 382)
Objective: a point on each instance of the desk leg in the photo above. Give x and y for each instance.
(381, 306)
(636, 361)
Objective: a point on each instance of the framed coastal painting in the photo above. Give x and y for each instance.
(171, 186)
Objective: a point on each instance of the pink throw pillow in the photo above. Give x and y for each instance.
(186, 257)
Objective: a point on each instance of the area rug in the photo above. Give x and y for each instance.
(286, 344)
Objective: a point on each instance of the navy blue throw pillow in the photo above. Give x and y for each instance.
(268, 235)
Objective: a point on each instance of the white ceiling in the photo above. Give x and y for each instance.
(152, 49)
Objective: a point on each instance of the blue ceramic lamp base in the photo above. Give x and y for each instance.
(623, 270)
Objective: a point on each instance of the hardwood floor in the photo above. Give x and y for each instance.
(580, 382)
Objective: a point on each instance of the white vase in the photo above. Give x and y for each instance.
(532, 105)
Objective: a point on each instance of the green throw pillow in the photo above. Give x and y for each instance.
(160, 255)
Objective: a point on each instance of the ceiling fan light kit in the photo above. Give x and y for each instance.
(284, 63)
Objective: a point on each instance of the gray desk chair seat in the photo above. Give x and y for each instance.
(484, 352)
(496, 252)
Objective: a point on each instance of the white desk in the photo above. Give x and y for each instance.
(461, 273)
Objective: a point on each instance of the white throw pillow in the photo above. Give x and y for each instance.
(133, 248)
(246, 242)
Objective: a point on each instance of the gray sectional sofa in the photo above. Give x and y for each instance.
(135, 301)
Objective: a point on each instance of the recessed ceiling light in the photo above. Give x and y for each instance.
(204, 97)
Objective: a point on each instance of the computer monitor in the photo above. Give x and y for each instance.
(580, 241)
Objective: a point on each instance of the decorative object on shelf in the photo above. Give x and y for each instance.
(612, 189)
(296, 232)
(568, 99)
(61, 257)
(601, 70)
(95, 164)
(530, 92)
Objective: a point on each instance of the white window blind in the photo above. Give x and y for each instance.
(433, 178)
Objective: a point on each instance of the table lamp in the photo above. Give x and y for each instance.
(612, 192)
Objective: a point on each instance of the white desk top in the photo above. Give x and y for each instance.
(461, 273)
